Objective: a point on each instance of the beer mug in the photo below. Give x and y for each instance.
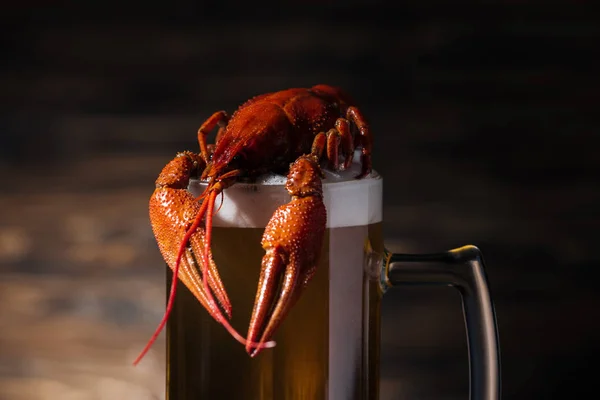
(328, 345)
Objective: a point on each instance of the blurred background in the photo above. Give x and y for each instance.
(485, 123)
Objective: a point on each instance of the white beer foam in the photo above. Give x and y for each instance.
(349, 201)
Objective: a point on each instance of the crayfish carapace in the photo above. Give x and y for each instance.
(292, 132)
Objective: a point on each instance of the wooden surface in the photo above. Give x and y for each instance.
(484, 134)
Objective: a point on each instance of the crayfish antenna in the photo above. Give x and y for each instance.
(209, 214)
(173, 291)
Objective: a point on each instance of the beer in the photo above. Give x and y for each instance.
(327, 346)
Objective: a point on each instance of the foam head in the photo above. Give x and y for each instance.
(349, 201)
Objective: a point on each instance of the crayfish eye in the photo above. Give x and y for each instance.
(235, 161)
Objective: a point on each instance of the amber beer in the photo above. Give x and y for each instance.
(328, 345)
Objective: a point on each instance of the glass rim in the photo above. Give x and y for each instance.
(349, 202)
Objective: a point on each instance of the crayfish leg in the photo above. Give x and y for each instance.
(364, 139)
(337, 140)
(219, 118)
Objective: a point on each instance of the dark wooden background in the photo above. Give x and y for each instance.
(486, 129)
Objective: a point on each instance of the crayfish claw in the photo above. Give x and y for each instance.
(214, 280)
(292, 240)
(189, 276)
(275, 287)
(172, 211)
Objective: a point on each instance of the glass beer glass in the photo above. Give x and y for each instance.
(328, 345)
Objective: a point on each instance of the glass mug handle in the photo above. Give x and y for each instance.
(462, 268)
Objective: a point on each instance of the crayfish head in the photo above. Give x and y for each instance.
(218, 180)
(222, 165)
(209, 172)
(304, 177)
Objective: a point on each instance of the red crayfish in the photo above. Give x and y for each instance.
(288, 132)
